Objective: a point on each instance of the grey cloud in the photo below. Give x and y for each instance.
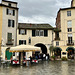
(45, 9)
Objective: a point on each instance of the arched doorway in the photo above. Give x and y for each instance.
(70, 52)
(57, 52)
(8, 55)
(43, 47)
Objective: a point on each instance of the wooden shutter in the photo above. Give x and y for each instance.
(19, 31)
(33, 32)
(9, 23)
(25, 31)
(20, 42)
(13, 12)
(7, 11)
(13, 22)
(25, 42)
(45, 32)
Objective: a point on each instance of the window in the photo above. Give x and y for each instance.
(9, 4)
(9, 37)
(41, 33)
(64, 53)
(29, 40)
(69, 29)
(11, 23)
(69, 24)
(68, 13)
(22, 42)
(69, 38)
(22, 31)
(57, 43)
(37, 32)
(10, 12)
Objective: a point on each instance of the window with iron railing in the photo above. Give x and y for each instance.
(9, 38)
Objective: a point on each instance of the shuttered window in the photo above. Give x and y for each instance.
(23, 31)
(9, 37)
(11, 23)
(22, 42)
(10, 12)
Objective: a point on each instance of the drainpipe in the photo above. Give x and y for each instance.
(52, 42)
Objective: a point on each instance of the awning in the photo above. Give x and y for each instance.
(24, 48)
(56, 48)
(70, 48)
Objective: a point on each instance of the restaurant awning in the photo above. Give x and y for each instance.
(24, 48)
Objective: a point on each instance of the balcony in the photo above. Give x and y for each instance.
(70, 43)
(9, 42)
(57, 38)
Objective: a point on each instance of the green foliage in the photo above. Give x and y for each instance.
(53, 57)
(64, 59)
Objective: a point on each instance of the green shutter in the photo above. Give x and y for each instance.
(13, 22)
(7, 11)
(19, 31)
(9, 23)
(25, 31)
(20, 42)
(45, 32)
(13, 12)
(33, 32)
(25, 42)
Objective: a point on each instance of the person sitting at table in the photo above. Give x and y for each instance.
(30, 59)
(36, 57)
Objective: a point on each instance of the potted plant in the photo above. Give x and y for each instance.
(64, 59)
(53, 57)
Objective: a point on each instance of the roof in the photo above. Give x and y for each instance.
(66, 8)
(34, 26)
(9, 1)
(8, 6)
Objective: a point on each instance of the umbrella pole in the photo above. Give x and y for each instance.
(21, 58)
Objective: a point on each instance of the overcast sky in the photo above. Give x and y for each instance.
(40, 11)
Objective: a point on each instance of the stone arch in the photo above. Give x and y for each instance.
(8, 55)
(43, 47)
(70, 52)
(57, 52)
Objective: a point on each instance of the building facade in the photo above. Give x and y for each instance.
(8, 25)
(39, 35)
(65, 42)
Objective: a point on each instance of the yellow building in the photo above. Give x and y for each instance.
(8, 26)
(0, 27)
(39, 35)
(65, 39)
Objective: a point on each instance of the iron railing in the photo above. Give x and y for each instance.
(70, 43)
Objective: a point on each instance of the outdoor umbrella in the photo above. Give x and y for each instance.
(24, 48)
